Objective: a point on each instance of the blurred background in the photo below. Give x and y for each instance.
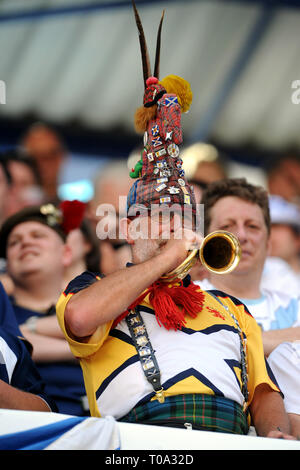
(74, 65)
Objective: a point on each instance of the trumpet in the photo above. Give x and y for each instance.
(220, 253)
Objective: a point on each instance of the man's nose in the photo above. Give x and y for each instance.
(26, 239)
(175, 222)
(241, 233)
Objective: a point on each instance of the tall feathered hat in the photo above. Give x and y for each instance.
(159, 172)
(161, 179)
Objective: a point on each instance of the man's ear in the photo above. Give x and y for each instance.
(269, 246)
(124, 229)
(67, 255)
(298, 241)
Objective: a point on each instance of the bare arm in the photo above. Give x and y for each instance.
(48, 349)
(14, 399)
(295, 425)
(47, 340)
(272, 338)
(103, 301)
(268, 413)
(46, 326)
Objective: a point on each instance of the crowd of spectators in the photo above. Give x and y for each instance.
(33, 278)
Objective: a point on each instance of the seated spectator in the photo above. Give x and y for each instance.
(285, 363)
(203, 163)
(278, 275)
(45, 145)
(243, 209)
(84, 245)
(26, 189)
(21, 387)
(110, 184)
(5, 185)
(5, 189)
(284, 246)
(33, 242)
(283, 176)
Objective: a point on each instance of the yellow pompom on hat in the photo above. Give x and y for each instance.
(181, 88)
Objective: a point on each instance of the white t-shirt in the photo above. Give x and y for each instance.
(285, 364)
(274, 310)
(278, 275)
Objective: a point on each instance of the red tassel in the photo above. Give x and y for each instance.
(167, 312)
(171, 304)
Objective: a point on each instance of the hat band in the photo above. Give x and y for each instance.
(157, 97)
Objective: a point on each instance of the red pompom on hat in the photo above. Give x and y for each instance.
(72, 214)
(151, 81)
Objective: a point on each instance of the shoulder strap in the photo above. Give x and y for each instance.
(139, 335)
(243, 352)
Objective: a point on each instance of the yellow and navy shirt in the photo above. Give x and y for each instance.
(202, 357)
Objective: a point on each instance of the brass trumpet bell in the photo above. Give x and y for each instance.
(220, 253)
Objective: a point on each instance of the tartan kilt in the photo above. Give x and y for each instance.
(203, 412)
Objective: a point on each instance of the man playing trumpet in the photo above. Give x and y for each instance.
(161, 351)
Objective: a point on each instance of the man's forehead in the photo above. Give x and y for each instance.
(183, 215)
(30, 225)
(160, 210)
(232, 207)
(166, 211)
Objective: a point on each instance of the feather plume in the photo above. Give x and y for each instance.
(158, 43)
(143, 45)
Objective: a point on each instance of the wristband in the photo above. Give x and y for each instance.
(31, 324)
